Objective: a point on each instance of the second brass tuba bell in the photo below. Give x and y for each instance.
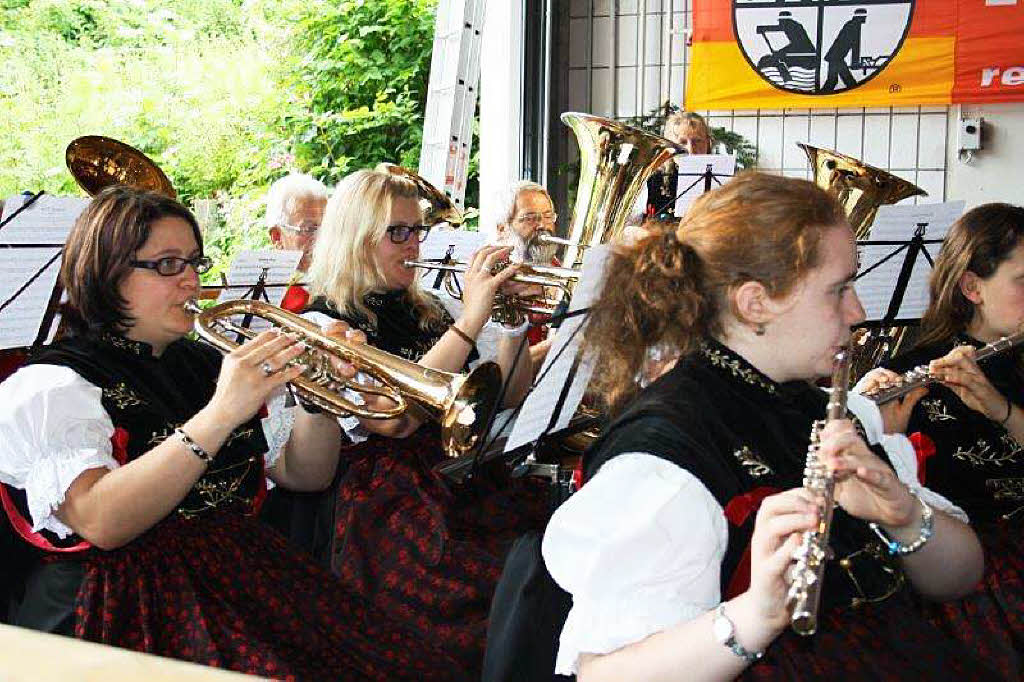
(615, 162)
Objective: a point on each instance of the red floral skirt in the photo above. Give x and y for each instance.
(225, 591)
(425, 554)
(990, 620)
(885, 641)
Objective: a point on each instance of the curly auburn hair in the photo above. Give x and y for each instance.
(671, 289)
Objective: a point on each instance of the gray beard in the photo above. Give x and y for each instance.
(529, 250)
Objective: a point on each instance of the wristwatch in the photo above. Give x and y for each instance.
(725, 634)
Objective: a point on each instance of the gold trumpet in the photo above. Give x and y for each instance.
(511, 309)
(462, 403)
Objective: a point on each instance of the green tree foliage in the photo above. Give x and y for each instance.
(359, 75)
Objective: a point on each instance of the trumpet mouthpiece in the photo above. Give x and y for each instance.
(552, 239)
(192, 306)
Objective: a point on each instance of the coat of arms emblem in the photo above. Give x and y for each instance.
(820, 47)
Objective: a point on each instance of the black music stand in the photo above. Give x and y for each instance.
(52, 304)
(913, 249)
(707, 177)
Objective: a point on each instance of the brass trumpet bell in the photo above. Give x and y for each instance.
(615, 162)
(462, 403)
(97, 162)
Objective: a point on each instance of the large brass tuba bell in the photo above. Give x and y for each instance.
(462, 403)
(97, 162)
(861, 189)
(615, 162)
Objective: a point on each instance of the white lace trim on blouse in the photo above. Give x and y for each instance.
(53, 429)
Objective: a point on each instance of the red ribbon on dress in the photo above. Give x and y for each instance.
(295, 299)
(119, 450)
(924, 447)
(737, 511)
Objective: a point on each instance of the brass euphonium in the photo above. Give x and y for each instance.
(462, 403)
(615, 162)
(861, 189)
(97, 162)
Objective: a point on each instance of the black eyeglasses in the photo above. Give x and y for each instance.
(168, 266)
(399, 234)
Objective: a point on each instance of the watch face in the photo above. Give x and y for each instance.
(722, 628)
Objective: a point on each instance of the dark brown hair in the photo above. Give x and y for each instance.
(979, 242)
(99, 251)
(670, 289)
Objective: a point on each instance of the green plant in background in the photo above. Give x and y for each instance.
(224, 95)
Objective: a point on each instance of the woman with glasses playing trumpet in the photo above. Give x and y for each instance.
(136, 460)
(427, 554)
(969, 428)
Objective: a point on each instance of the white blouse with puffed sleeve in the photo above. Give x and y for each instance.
(54, 427)
(640, 546)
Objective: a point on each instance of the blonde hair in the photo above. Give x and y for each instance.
(344, 268)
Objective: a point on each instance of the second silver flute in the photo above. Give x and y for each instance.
(812, 555)
(920, 376)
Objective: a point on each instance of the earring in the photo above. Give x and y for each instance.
(759, 329)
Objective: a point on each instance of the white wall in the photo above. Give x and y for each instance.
(501, 110)
(617, 60)
(996, 173)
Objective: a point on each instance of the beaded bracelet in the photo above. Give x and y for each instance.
(195, 447)
(896, 547)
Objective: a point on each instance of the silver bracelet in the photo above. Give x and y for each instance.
(195, 447)
(927, 529)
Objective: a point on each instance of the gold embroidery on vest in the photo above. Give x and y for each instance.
(754, 465)
(936, 410)
(733, 366)
(1007, 490)
(983, 453)
(122, 396)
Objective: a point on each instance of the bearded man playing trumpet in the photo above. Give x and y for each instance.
(426, 554)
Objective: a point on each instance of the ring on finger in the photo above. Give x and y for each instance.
(267, 369)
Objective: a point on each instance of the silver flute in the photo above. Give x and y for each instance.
(920, 376)
(807, 572)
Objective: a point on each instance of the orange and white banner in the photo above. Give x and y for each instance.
(772, 54)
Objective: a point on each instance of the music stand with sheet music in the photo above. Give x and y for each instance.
(706, 170)
(24, 247)
(549, 407)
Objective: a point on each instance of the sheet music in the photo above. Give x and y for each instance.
(47, 221)
(690, 166)
(540, 404)
(20, 321)
(245, 272)
(249, 263)
(897, 222)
